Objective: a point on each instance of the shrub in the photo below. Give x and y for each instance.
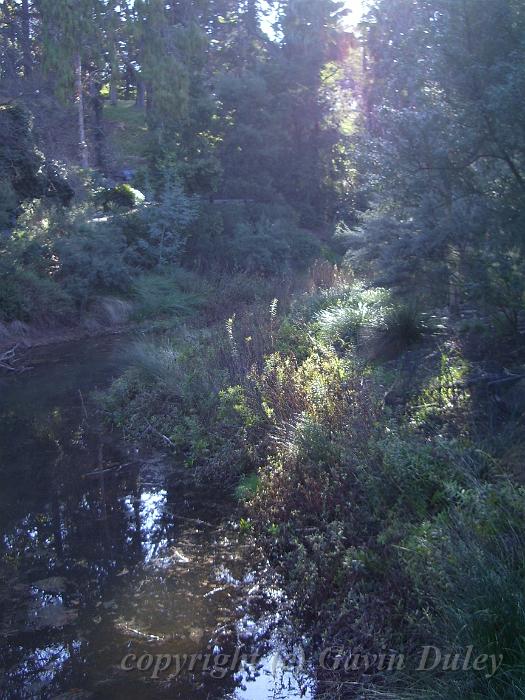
(471, 565)
(404, 325)
(121, 196)
(91, 258)
(167, 219)
(24, 296)
(498, 282)
(247, 487)
(8, 205)
(260, 239)
(24, 174)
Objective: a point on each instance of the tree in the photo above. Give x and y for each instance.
(167, 218)
(277, 111)
(70, 41)
(25, 37)
(444, 141)
(312, 44)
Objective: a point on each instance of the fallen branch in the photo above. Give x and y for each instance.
(112, 470)
(195, 521)
(9, 359)
(504, 380)
(161, 435)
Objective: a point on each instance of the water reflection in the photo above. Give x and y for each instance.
(106, 551)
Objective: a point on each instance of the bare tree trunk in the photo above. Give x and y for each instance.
(98, 130)
(25, 40)
(80, 107)
(454, 295)
(149, 97)
(113, 86)
(140, 100)
(113, 95)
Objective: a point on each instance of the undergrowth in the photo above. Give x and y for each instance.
(393, 524)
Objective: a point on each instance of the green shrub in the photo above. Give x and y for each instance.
(261, 247)
(260, 239)
(404, 326)
(121, 196)
(497, 283)
(8, 205)
(471, 565)
(247, 487)
(20, 161)
(24, 173)
(167, 218)
(266, 246)
(24, 296)
(92, 258)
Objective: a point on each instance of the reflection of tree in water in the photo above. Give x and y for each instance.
(102, 552)
(56, 522)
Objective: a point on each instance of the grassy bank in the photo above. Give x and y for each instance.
(355, 431)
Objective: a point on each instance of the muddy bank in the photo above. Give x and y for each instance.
(109, 315)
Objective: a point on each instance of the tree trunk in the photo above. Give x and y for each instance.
(114, 80)
(98, 131)
(83, 149)
(454, 294)
(25, 39)
(113, 94)
(140, 100)
(149, 98)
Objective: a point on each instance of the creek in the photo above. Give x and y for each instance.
(111, 555)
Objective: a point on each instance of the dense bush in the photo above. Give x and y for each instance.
(24, 296)
(24, 172)
(245, 237)
(121, 196)
(92, 259)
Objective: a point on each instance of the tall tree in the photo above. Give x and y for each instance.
(71, 40)
(25, 37)
(444, 144)
(313, 42)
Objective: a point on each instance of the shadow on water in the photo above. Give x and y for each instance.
(107, 551)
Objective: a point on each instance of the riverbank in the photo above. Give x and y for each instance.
(355, 433)
(110, 315)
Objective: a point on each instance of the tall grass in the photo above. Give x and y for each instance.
(350, 311)
(174, 296)
(481, 604)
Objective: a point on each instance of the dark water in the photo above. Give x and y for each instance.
(107, 551)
